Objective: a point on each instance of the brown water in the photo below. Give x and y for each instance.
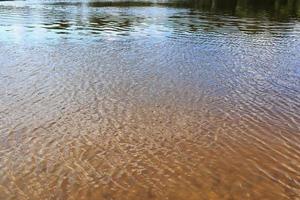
(150, 100)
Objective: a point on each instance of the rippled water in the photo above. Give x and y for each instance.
(150, 100)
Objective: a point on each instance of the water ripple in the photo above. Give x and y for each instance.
(149, 100)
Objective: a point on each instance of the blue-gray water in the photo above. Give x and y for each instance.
(150, 99)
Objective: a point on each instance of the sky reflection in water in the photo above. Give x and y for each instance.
(48, 20)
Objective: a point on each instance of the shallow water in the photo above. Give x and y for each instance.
(150, 100)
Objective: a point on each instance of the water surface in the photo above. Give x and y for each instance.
(150, 99)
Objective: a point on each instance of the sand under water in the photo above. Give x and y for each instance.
(149, 101)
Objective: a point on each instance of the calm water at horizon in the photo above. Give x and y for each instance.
(154, 99)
